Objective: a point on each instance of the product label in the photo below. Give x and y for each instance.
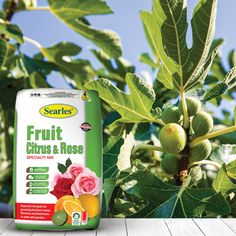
(53, 183)
(58, 111)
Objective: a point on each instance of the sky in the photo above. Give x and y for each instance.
(48, 30)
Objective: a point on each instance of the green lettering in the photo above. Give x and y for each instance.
(29, 131)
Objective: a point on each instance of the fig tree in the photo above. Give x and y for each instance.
(193, 106)
(173, 138)
(171, 115)
(202, 123)
(201, 151)
(169, 164)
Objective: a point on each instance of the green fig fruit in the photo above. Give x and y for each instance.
(193, 106)
(171, 115)
(173, 138)
(201, 151)
(169, 164)
(202, 123)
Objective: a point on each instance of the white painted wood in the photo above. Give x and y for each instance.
(212, 227)
(150, 227)
(12, 231)
(231, 223)
(4, 223)
(44, 233)
(112, 227)
(81, 233)
(138, 227)
(179, 227)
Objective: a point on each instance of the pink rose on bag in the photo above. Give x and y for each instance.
(74, 170)
(86, 183)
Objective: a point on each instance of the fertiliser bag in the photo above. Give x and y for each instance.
(57, 160)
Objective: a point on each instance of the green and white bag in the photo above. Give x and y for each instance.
(57, 160)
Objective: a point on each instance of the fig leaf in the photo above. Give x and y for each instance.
(72, 13)
(164, 200)
(166, 31)
(133, 107)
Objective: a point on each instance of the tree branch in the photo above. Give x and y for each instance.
(148, 147)
(33, 42)
(10, 11)
(42, 8)
(212, 135)
(185, 110)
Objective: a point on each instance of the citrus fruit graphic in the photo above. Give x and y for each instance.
(59, 218)
(71, 206)
(59, 203)
(90, 204)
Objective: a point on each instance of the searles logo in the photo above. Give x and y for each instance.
(58, 111)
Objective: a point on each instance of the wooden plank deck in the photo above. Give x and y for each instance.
(139, 227)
